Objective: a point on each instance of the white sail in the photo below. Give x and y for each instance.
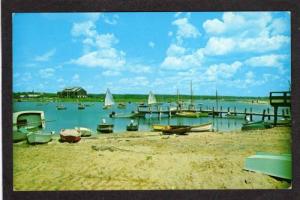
(151, 99)
(109, 100)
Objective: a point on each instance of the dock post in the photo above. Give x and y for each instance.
(245, 113)
(250, 114)
(213, 112)
(200, 108)
(263, 116)
(287, 112)
(170, 111)
(234, 110)
(228, 110)
(220, 113)
(269, 116)
(283, 114)
(275, 115)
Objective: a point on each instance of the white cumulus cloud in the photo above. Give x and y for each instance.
(46, 56)
(46, 73)
(272, 60)
(185, 29)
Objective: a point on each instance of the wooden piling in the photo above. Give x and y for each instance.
(275, 115)
(220, 113)
(269, 116)
(263, 116)
(251, 114)
(213, 112)
(234, 110)
(245, 113)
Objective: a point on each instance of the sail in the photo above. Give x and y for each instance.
(109, 100)
(151, 99)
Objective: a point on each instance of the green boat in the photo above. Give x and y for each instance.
(277, 165)
(191, 114)
(39, 138)
(256, 125)
(20, 135)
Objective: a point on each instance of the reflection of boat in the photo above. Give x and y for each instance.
(28, 119)
(20, 135)
(84, 132)
(109, 100)
(277, 165)
(256, 125)
(70, 135)
(39, 138)
(191, 114)
(104, 127)
(81, 106)
(61, 107)
(178, 130)
(132, 126)
(201, 127)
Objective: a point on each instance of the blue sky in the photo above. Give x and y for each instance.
(237, 53)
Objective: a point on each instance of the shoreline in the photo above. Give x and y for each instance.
(148, 160)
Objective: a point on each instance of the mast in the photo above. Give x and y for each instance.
(217, 101)
(191, 92)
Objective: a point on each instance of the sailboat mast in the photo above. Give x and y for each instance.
(217, 101)
(191, 92)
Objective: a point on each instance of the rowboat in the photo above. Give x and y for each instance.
(277, 165)
(105, 128)
(29, 120)
(178, 130)
(158, 127)
(60, 107)
(123, 115)
(256, 125)
(121, 105)
(84, 132)
(70, 135)
(20, 135)
(191, 114)
(39, 138)
(132, 127)
(81, 106)
(201, 127)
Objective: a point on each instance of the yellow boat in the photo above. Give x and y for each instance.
(158, 127)
(191, 114)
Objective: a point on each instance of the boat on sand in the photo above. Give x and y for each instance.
(70, 135)
(29, 120)
(39, 137)
(20, 135)
(178, 130)
(258, 125)
(84, 132)
(201, 127)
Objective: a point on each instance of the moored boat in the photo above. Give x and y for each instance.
(81, 106)
(256, 125)
(191, 114)
(29, 120)
(201, 127)
(84, 132)
(104, 127)
(70, 135)
(61, 107)
(20, 135)
(109, 100)
(132, 126)
(123, 115)
(121, 105)
(39, 138)
(178, 130)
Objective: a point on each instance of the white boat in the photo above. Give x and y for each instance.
(202, 127)
(31, 119)
(85, 132)
(109, 100)
(151, 99)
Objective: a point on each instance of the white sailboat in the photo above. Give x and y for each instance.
(151, 99)
(109, 100)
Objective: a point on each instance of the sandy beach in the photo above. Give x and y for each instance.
(148, 160)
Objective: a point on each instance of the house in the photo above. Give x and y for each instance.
(72, 92)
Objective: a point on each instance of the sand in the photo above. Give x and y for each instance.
(134, 161)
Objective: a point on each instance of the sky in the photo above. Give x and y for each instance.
(236, 53)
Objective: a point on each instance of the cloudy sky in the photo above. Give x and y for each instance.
(237, 53)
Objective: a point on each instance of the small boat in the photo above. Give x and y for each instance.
(158, 127)
(277, 165)
(256, 125)
(233, 116)
(84, 132)
(109, 100)
(29, 120)
(20, 135)
(121, 105)
(123, 115)
(202, 127)
(70, 135)
(178, 130)
(81, 106)
(104, 127)
(191, 114)
(39, 138)
(60, 107)
(132, 126)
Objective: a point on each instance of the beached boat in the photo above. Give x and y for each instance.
(256, 125)
(39, 138)
(277, 165)
(84, 132)
(70, 135)
(132, 126)
(178, 130)
(81, 106)
(191, 114)
(61, 107)
(201, 127)
(109, 100)
(158, 127)
(31, 119)
(20, 135)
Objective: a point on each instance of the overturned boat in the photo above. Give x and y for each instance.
(39, 137)
(70, 135)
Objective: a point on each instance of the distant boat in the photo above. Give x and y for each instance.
(256, 125)
(81, 106)
(123, 115)
(104, 127)
(28, 119)
(109, 100)
(151, 99)
(191, 114)
(201, 127)
(70, 135)
(61, 107)
(169, 130)
(121, 105)
(84, 132)
(132, 126)
(20, 135)
(233, 116)
(39, 138)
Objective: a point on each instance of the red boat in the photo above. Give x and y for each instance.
(70, 135)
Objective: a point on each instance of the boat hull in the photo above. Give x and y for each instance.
(70, 135)
(84, 132)
(256, 126)
(132, 128)
(38, 138)
(28, 119)
(191, 114)
(105, 128)
(201, 127)
(176, 130)
(19, 136)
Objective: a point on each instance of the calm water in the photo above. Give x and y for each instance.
(91, 116)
